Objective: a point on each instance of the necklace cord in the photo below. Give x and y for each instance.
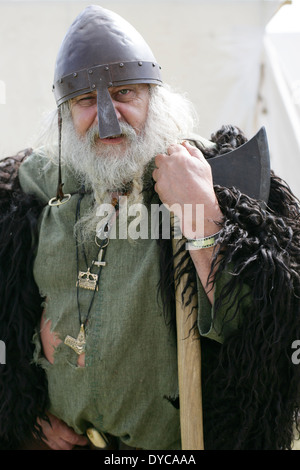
(101, 246)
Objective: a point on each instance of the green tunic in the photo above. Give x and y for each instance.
(130, 363)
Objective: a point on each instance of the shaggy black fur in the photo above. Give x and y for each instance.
(23, 395)
(250, 385)
(256, 385)
(255, 371)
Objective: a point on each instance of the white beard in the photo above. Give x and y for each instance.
(101, 166)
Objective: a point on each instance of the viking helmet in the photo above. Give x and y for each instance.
(101, 50)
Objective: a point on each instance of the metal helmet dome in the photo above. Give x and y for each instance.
(101, 50)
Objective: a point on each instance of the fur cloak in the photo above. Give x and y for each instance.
(250, 383)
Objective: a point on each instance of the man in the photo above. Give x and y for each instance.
(101, 309)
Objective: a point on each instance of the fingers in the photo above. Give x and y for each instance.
(59, 444)
(62, 444)
(185, 149)
(66, 443)
(192, 150)
(59, 436)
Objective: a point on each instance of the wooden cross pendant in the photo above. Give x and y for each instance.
(78, 344)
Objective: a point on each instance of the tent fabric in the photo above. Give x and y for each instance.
(214, 50)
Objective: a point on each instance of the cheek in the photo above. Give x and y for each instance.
(141, 115)
(146, 109)
(83, 120)
(145, 115)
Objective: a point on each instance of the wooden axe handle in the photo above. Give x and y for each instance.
(189, 372)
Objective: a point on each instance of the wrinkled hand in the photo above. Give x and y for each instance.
(184, 180)
(60, 436)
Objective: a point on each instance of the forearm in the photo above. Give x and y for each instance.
(202, 260)
(203, 257)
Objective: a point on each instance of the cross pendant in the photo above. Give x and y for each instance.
(99, 262)
(78, 344)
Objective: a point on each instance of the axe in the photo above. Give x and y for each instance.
(248, 169)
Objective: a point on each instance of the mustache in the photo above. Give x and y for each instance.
(92, 135)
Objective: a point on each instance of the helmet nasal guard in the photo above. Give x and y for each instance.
(102, 50)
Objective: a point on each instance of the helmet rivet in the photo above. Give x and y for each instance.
(121, 64)
(106, 68)
(110, 84)
(93, 86)
(75, 74)
(90, 71)
(140, 63)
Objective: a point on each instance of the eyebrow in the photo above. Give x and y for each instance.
(89, 94)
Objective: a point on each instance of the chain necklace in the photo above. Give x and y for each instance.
(88, 280)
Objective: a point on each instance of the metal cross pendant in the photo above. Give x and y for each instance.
(78, 344)
(99, 262)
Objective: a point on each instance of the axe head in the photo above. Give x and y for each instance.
(247, 168)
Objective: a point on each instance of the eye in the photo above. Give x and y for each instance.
(124, 94)
(125, 91)
(89, 100)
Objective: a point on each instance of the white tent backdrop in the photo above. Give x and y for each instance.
(211, 49)
(280, 104)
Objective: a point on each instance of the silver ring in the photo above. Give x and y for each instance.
(102, 246)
